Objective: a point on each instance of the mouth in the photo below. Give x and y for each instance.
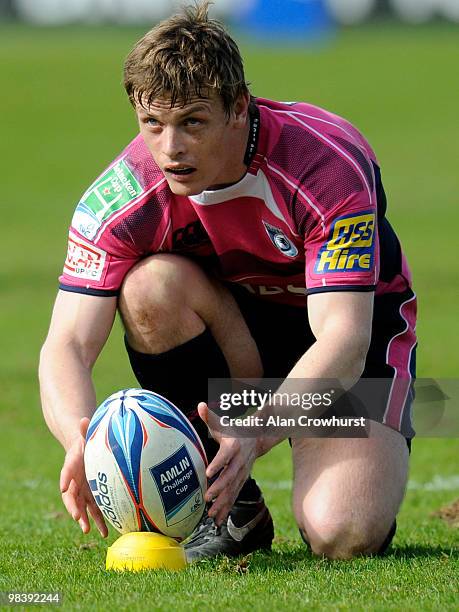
(179, 171)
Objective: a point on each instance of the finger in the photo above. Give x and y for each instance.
(79, 504)
(225, 501)
(73, 465)
(65, 478)
(74, 503)
(221, 510)
(84, 520)
(224, 512)
(224, 481)
(98, 517)
(71, 504)
(225, 453)
(221, 507)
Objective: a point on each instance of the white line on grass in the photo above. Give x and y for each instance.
(438, 483)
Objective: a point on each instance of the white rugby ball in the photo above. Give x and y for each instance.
(145, 465)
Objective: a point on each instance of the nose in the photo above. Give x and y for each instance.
(173, 143)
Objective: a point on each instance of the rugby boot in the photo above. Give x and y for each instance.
(247, 528)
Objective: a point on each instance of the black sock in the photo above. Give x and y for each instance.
(181, 375)
(250, 491)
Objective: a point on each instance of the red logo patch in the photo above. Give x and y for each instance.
(84, 260)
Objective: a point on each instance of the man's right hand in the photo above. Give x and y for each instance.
(76, 494)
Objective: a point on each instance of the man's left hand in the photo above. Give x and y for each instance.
(234, 461)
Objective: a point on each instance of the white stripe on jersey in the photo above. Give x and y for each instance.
(407, 367)
(250, 186)
(337, 148)
(337, 125)
(301, 192)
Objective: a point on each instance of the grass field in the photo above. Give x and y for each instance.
(64, 118)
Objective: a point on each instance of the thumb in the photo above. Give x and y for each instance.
(209, 419)
(203, 412)
(84, 424)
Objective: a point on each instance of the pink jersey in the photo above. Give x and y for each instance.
(308, 216)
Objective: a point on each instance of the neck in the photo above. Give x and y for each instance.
(238, 150)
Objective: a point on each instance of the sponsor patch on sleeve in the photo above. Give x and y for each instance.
(350, 245)
(114, 189)
(84, 260)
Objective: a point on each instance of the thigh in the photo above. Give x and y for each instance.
(168, 300)
(350, 488)
(281, 332)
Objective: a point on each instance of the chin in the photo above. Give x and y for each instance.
(184, 189)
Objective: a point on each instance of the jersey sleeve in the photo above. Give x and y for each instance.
(342, 252)
(94, 270)
(119, 220)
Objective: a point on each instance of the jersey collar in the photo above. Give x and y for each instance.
(254, 134)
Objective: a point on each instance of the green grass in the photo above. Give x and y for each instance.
(65, 117)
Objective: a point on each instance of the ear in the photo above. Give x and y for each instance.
(241, 111)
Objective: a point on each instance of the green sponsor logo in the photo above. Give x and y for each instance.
(117, 187)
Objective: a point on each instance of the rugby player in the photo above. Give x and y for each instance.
(239, 236)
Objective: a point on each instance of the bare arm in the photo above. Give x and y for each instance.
(79, 328)
(341, 323)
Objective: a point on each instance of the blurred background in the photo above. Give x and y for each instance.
(243, 11)
(388, 66)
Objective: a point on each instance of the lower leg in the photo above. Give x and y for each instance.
(171, 337)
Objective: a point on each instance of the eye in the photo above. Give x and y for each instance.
(192, 121)
(152, 122)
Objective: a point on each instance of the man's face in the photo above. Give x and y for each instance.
(196, 146)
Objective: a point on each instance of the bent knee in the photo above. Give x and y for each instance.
(155, 303)
(344, 537)
(159, 279)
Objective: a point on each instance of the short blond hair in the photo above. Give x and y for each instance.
(185, 56)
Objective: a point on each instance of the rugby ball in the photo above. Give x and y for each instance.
(145, 465)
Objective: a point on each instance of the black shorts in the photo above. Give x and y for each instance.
(282, 334)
